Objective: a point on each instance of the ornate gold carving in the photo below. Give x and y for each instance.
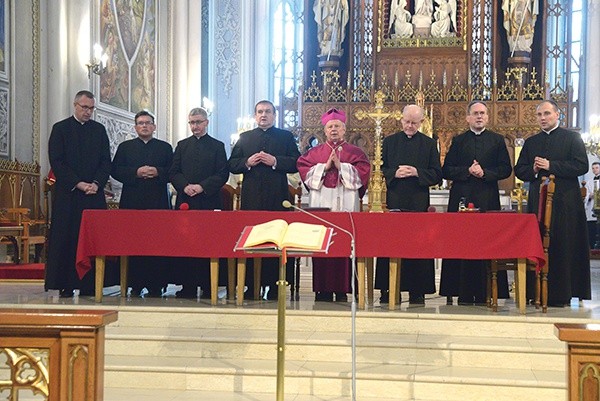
(334, 92)
(458, 92)
(313, 93)
(78, 372)
(518, 195)
(28, 370)
(422, 42)
(589, 376)
(377, 187)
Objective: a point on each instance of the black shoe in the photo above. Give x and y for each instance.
(449, 300)
(385, 297)
(86, 292)
(272, 295)
(341, 297)
(465, 301)
(557, 304)
(324, 297)
(416, 299)
(65, 293)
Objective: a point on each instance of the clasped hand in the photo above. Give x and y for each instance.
(333, 160)
(261, 157)
(193, 189)
(539, 163)
(89, 188)
(405, 171)
(147, 172)
(476, 170)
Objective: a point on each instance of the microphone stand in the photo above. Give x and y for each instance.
(289, 205)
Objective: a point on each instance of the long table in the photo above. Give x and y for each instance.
(213, 234)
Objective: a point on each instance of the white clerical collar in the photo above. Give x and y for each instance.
(79, 121)
(550, 131)
(145, 140)
(478, 132)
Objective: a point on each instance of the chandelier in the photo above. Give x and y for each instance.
(592, 140)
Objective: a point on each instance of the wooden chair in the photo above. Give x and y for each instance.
(544, 217)
(230, 199)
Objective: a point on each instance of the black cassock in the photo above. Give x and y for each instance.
(569, 264)
(77, 152)
(198, 161)
(264, 187)
(142, 194)
(410, 194)
(467, 279)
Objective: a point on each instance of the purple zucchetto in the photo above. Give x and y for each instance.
(333, 114)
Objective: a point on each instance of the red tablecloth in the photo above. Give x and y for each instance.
(403, 235)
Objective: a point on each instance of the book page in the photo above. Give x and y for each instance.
(271, 231)
(304, 236)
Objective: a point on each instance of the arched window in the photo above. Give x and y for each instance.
(286, 58)
(565, 43)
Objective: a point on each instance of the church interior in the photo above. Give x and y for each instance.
(369, 58)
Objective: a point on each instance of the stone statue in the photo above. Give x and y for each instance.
(422, 17)
(331, 17)
(400, 20)
(519, 23)
(444, 24)
(424, 7)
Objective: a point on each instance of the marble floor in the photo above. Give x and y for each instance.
(32, 294)
(22, 294)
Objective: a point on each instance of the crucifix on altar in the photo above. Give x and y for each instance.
(377, 186)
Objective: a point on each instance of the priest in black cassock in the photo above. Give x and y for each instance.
(476, 161)
(265, 155)
(198, 173)
(142, 166)
(411, 164)
(79, 154)
(561, 152)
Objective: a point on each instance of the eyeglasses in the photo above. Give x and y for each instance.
(142, 123)
(86, 108)
(197, 122)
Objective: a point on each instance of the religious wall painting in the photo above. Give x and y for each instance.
(421, 23)
(128, 35)
(4, 137)
(3, 39)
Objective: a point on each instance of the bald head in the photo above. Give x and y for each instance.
(412, 117)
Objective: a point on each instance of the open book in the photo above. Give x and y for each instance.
(277, 234)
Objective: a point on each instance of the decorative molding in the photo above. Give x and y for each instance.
(36, 72)
(227, 45)
(117, 130)
(4, 123)
(29, 368)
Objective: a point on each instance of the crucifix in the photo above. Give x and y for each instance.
(377, 187)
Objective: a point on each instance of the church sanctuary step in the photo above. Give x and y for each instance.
(400, 355)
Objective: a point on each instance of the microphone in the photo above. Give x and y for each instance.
(184, 206)
(288, 205)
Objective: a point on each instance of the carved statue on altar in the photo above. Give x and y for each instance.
(519, 23)
(423, 17)
(444, 24)
(400, 26)
(331, 17)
